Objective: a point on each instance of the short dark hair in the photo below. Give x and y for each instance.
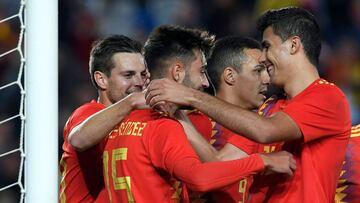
(293, 21)
(168, 42)
(103, 50)
(228, 52)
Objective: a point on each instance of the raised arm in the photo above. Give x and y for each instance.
(279, 127)
(96, 127)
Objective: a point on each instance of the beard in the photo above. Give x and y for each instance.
(188, 83)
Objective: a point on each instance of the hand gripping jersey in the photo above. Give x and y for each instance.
(81, 172)
(146, 152)
(348, 188)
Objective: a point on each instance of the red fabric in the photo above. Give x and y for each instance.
(154, 151)
(322, 114)
(202, 124)
(237, 192)
(82, 177)
(348, 188)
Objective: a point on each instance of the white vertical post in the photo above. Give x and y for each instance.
(41, 104)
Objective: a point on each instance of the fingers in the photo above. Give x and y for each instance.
(154, 89)
(289, 172)
(153, 97)
(281, 162)
(293, 164)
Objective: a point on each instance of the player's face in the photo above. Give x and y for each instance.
(252, 80)
(195, 74)
(127, 76)
(275, 57)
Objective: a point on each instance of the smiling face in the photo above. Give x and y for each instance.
(252, 80)
(127, 76)
(276, 57)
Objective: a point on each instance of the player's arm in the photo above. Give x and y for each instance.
(213, 175)
(203, 149)
(91, 131)
(279, 127)
(170, 150)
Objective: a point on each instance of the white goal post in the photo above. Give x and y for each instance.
(41, 101)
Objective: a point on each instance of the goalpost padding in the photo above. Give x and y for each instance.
(41, 101)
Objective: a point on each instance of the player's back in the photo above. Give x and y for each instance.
(133, 159)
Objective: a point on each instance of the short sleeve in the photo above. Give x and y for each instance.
(322, 111)
(81, 114)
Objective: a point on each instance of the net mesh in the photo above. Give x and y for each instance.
(12, 94)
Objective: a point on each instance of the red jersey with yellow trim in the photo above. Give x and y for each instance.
(270, 106)
(202, 124)
(348, 189)
(322, 113)
(81, 172)
(218, 137)
(146, 151)
(261, 183)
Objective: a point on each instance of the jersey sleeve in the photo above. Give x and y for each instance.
(322, 112)
(169, 149)
(167, 143)
(80, 115)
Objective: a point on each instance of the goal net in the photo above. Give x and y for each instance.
(12, 101)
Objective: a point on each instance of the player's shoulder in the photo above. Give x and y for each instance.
(92, 105)
(164, 124)
(326, 87)
(84, 111)
(197, 116)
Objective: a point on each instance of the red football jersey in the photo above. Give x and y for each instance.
(348, 189)
(322, 113)
(218, 137)
(81, 172)
(268, 108)
(146, 152)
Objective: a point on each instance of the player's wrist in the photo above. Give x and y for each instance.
(266, 160)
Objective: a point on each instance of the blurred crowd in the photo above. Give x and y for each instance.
(83, 21)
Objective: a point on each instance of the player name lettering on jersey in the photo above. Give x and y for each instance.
(128, 128)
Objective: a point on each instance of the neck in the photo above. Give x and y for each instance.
(305, 74)
(230, 97)
(104, 100)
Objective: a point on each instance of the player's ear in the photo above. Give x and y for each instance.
(101, 79)
(178, 72)
(295, 44)
(229, 75)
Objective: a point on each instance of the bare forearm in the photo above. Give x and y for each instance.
(239, 120)
(97, 126)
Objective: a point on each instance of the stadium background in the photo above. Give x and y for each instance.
(83, 21)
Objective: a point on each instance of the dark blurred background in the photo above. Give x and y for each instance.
(83, 21)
